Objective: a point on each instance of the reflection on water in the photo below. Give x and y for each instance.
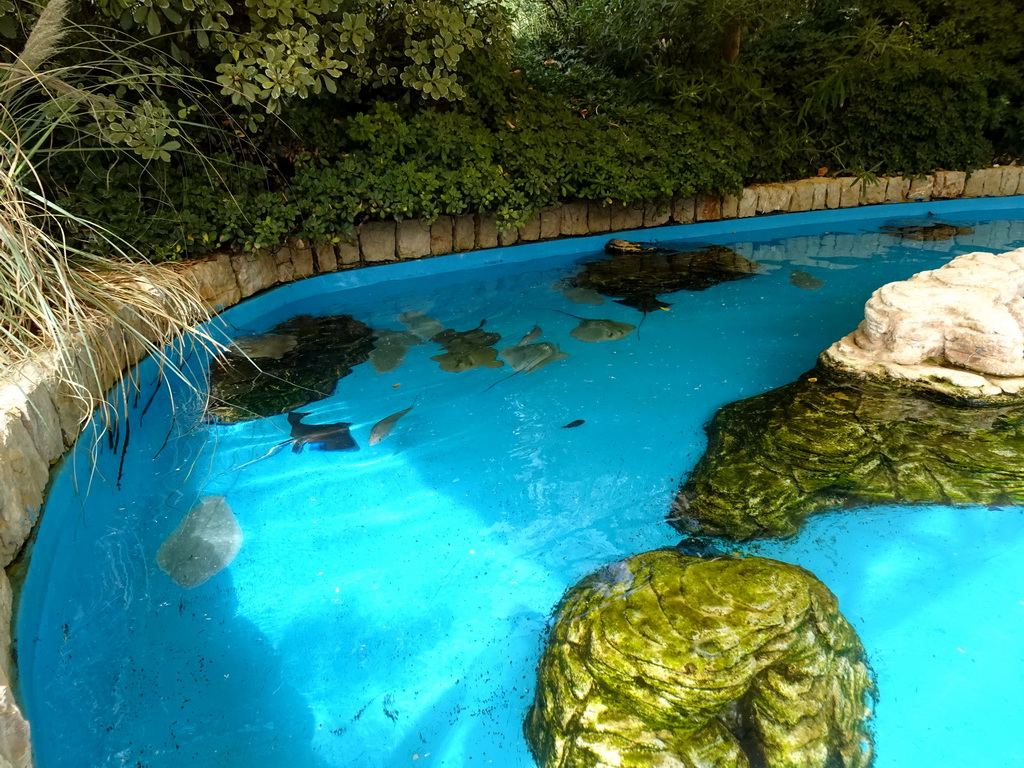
(387, 605)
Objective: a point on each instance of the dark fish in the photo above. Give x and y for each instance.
(805, 280)
(320, 437)
(572, 424)
(532, 336)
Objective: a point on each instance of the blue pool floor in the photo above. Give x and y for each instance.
(388, 606)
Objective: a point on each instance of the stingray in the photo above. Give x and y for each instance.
(636, 278)
(578, 295)
(598, 330)
(805, 280)
(390, 347)
(932, 232)
(529, 357)
(203, 544)
(319, 437)
(465, 350)
(383, 428)
(424, 326)
(271, 346)
(468, 358)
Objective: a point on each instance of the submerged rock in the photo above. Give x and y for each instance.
(324, 351)
(932, 231)
(669, 660)
(203, 545)
(830, 440)
(637, 277)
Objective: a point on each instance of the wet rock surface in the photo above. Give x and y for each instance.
(635, 274)
(831, 440)
(668, 660)
(323, 351)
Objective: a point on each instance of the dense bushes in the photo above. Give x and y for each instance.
(422, 107)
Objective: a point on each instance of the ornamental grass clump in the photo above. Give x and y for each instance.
(72, 293)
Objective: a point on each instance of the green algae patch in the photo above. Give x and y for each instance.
(668, 660)
(250, 383)
(830, 440)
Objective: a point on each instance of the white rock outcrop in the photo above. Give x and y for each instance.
(958, 329)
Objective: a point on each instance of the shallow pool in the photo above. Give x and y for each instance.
(388, 605)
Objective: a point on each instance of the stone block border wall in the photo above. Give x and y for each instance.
(40, 419)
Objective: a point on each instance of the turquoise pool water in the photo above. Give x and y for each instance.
(388, 605)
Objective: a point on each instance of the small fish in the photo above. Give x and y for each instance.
(574, 423)
(203, 544)
(598, 330)
(424, 326)
(805, 280)
(532, 336)
(383, 428)
(264, 345)
(319, 437)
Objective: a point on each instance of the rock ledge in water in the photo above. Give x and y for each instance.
(669, 660)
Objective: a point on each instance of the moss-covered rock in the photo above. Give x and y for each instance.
(832, 440)
(636, 276)
(324, 350)
(668, 660)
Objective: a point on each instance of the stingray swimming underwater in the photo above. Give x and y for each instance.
(465, 350)
(203, 544)
(590, 330)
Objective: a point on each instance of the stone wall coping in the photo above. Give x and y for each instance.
(40, 421)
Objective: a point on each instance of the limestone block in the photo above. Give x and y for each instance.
(412, 239)
(326, 258)
(215, 279)
(748, 203)
(550, 222)
(921, 189)
(948, 184)
(803, 195)
(574, 218)
(852, 193)
(730, 207)
(23, 477)
(684, 210)
(819, 194)
(347, 249)
(255, 271)
(377, 241)
(709, 208)
(992, 181)
(25, 394)
(626, 216)
(1020, 184)
(773, 197)
(15, 741)
(486, 231)
(294, 261)
(1010, 180)
(442, 236)
(530, 229)
(464, 233)
(659, 214)
(599, 216)
(897, 189)
(873, 192)
(508, 236)
(834, 193)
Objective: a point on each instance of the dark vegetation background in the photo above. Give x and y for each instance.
(305, 117)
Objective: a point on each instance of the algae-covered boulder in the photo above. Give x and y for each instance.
(246, 383)
(668, 660)
(636, 276)
(831, 440)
